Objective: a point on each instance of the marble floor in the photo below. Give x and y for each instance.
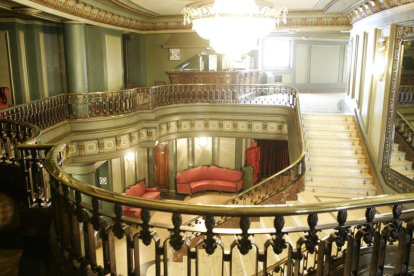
(324, 103)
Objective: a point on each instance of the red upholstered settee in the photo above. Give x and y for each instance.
(139, 190)
(210, 178)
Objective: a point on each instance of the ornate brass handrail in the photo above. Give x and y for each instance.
(71, 214)
(299, 160)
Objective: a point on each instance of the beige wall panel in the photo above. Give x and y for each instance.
(302, 53)
(376, 118)
(366, 92)
(116, 175)
(321, 70)
(203, 154)
(182, 154)
(142, 164)
(360, 63)
(345, 65)
(43, 55)
(114, 62)
(129, 172)
(227, 153)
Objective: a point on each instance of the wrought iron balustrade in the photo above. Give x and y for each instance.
(404, 127)
(22, 161)
(132, 246)
(169, 245)
(406, 95)
(50, 111)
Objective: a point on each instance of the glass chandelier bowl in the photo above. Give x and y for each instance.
(234, 26)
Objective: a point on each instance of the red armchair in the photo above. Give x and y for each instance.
(139, 190)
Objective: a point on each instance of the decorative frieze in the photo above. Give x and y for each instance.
(120, 142)
(148, 22)
(374, 6)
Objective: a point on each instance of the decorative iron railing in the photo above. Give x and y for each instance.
(50, 111)
(161, 248)
(286, 181)
(20, 149)
(406, 94)
(151, 245)
(404, 127)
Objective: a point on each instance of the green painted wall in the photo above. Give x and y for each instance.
(136, 59)
(157, 58)
(96, 56)
(54, 63)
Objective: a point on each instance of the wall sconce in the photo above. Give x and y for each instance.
(380, 64)
(202, 141)
(130, 156)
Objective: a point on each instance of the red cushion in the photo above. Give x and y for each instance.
(184, 189)
(211, 173)
(215, 185)
(225, 174)
(152, 195)
(137, 190)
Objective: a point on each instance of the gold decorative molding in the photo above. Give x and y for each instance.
(372, 7)
(156, 23)
(92, 13)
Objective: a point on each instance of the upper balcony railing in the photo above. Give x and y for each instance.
(50, 111)
(151, 245)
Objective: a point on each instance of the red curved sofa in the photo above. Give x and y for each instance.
(210, 178)
(139, 190)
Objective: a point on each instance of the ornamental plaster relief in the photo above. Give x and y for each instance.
(372, 7)
(121, 142)
(146, 22)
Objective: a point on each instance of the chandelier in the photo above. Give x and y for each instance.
(234, 26)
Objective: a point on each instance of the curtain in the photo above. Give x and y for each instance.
(274, 156)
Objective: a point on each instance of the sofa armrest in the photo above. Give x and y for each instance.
(152, 189)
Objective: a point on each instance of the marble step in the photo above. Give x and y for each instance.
(345, 174)
(339, 143)
(362, 168)
(322, 128)
(397, 157)
(339, 153)
(401, 164)
(313, 176)
(327, 118)
(334, 145)
(398, 153)
(330, 126)
(341, 161)
(407, 173)
(331, 135)
(395, 147)
(340, 188)
(312, 129)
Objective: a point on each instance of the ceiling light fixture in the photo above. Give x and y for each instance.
(234, 26)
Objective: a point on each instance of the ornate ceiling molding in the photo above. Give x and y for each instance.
(143, 13)
(153, 23)
(372, 7)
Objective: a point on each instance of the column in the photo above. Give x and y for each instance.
(75, 57)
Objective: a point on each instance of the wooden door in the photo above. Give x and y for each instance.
(162, 166)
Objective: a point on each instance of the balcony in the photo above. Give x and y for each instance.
(213, 235)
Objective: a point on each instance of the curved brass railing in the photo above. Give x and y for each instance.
(275, 184)
(79, 214)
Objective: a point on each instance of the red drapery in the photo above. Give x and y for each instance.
(274, 156)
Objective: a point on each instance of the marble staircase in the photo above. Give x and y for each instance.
(335, 159)
(400, 164)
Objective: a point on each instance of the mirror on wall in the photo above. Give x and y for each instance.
(402, 156)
